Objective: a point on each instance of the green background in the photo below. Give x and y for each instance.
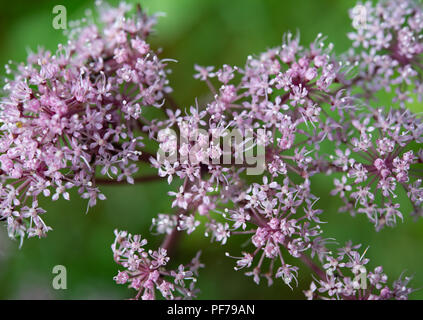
(207, 32)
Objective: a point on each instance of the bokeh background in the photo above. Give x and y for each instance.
(207, 32)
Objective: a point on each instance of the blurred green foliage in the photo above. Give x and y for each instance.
(207, 32)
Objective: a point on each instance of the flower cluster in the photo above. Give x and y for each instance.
(378, 161)
(144, 270)
(281, 220)
(67, 113)
(387, 45)
(346, 277)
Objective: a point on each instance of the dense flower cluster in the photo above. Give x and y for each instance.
(387, 45)
(144, 270)
(66, 114)
(346, 277)
(244, 162)
(379, 160)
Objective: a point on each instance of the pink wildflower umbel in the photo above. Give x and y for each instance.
(67, 113)
(144, 270)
